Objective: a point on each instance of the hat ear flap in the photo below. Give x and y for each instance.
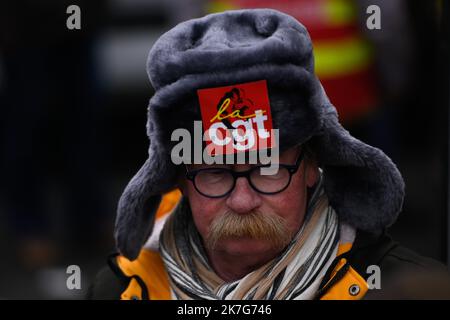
(363, 184)
(369, 198)
(137, 208)
(134, 224)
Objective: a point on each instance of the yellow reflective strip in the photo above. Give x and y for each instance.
(219, 6)
(340, 12)
(334, 58)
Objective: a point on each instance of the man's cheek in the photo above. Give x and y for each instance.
(204, 213)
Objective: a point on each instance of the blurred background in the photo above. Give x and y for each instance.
(73, 113)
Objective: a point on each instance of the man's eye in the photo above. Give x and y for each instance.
(281, 174)
(275, 176)
(216, 171)
(213, 176)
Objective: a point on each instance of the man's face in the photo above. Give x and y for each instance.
(287, 208)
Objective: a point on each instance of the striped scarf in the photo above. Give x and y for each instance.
(294, 275)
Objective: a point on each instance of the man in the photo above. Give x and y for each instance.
(313, 228)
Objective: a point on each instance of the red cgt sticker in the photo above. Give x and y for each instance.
(236, 118)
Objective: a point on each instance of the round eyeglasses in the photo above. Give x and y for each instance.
(218, 182)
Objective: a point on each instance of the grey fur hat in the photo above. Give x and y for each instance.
(362, 183)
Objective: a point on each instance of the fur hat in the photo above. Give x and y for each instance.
(362, 183)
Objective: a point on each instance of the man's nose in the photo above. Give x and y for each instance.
(243, 198)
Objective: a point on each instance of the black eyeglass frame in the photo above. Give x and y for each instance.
(292, 169)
